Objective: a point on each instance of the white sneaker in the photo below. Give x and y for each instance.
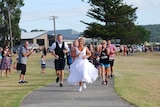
(84, 85)
(80, 89)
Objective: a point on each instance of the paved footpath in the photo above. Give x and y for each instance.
(96, 95)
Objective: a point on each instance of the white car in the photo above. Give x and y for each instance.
(35, 47)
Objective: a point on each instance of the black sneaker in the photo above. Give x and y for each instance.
(61, 85)
(20, 82)
(106, 82)
(111, 75)
(57, 79)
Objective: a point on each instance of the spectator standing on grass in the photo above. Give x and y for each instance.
(44, 51)
(5, 62)
(125, 50)
(113, 51)
(43, 64)
(22, 60)
(1, 49)
(59, 50)
(0, 54)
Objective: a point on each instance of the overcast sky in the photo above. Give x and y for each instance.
(37, 14)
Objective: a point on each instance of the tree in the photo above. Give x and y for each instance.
(116, 19)
(10, 9)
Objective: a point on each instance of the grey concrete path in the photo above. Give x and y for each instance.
(96, 95)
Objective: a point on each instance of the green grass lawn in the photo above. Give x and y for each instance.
(137, 80)
(12, 93)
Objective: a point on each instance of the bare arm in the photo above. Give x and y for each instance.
(88, 53)
(27, 54)
(107, 51)
(52, 50)
(53, 53)
(73, 52)
(114, 50)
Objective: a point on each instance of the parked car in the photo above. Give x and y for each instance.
(35, 47)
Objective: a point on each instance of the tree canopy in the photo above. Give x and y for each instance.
(10, 9)
(116, 21)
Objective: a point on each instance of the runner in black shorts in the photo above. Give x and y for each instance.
(59, 64)
(113, 50)
(59, 50)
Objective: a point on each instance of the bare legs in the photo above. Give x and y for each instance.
(60, 75)
(2, 73)
(105, 73)
(22, 77)
(82, 85)
(42, 71)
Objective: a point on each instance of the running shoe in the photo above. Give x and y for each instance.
(57, 79)
(104, 82)
(61, 85)
(80, 89)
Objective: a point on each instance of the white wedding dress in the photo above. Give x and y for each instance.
(82, 70)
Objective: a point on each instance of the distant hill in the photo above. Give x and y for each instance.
(155, 32)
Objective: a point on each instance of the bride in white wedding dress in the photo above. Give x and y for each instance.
(81, 70)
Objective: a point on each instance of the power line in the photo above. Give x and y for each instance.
(34, 19)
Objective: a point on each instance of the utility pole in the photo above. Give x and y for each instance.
(10, 29)
(54, 24)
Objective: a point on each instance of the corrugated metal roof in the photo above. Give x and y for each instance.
(67, 34)
(31, 35)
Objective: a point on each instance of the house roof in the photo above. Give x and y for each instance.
(69, 34)
(31, 35)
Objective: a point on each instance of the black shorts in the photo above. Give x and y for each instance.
(59, 64)
(43, 65)
(111, 61)
(18, 66)
(21, 67)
